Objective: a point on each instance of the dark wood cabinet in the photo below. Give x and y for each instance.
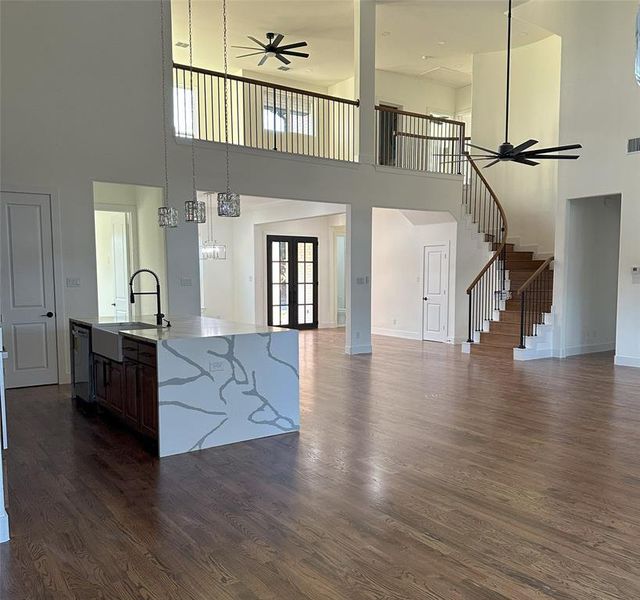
(148, 400)
(129, 390)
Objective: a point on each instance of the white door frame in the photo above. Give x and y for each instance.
(62, 331)
(447, 244)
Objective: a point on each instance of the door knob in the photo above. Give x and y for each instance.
(425, 298)
(48, 315)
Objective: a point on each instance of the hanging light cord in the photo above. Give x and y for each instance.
(506, 126)
(193, 125)
(226, 99)
(164, 107)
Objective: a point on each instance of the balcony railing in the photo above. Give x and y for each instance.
(407, 140)
(263, 115)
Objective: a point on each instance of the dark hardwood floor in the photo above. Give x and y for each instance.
(419, 473)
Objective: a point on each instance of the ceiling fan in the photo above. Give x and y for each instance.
(272, 48)
(520, 153)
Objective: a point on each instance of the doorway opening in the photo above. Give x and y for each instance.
(281, 263)
(412, 277)
(592, 264)
(127, 238)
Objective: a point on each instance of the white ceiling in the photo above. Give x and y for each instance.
(446, 32)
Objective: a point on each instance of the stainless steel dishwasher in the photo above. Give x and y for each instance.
(81, 364)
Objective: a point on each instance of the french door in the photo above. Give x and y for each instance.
(292, 281)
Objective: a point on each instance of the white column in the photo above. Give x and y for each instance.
(4, 518)
(358, 338)
(365, 76)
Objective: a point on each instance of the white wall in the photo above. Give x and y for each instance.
(593, 239)
(528, 194)
(599, 108)
(414, 94)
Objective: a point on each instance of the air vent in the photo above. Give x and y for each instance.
(182, 44)
(283, 68)
(634, 145)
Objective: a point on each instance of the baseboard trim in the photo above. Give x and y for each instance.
(399, 333)
(589, 349)
(626, 361)
(361, 349)
(531, 353)
(4, 526)
(331, 325)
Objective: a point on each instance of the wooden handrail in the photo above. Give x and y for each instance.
(268, 84)
(407, 113)
(504, 221)
(417, 136)
(525, 286)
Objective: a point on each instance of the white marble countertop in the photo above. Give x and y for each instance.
(181, 328)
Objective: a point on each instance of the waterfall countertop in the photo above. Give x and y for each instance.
(181, 328)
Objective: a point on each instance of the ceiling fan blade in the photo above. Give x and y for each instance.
(257, 41)
(523, 146)
(288, 53)
(292, 46)
(556, 156)
(246, 47)
(250, 54)
(492, 163)
(283, 59)
(554, 149)
(525, 161)
(277, 40)
(492, 152)
(263, 60)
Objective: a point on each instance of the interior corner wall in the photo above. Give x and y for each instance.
(397, 272)
(528, 194)
(414, 94)
(593, 240)
(599, 108)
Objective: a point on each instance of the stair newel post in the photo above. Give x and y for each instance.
(523, 298)
(470, 339)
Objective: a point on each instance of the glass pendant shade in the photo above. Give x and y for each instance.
(214, 251)
(168, 216)
(228, 204)
(195, 211)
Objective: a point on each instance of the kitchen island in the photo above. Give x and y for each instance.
(198, 384)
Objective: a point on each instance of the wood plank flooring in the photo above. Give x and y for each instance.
(420, 473)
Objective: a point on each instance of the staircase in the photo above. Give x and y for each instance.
(501, 334)
(510, 299)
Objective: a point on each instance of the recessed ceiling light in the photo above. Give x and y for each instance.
(182, 44)
(385, 33)
(426, 57)
(441, 43)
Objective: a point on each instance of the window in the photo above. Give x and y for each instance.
(288, 112)
(185, 106)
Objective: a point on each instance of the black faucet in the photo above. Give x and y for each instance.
(132, 294)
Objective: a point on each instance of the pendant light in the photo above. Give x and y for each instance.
(228, 201)
(194, 210)
(211, 249)
(167, 215)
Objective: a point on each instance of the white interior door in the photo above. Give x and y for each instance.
(435, 299)
(119, 240)
(27, 293)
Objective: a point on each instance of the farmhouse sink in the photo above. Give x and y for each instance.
(107, 341)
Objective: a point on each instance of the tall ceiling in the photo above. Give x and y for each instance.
(433, 39)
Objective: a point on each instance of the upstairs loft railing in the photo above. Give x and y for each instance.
(536, 297)
(488, 288)
(263, 115)
(407, 140)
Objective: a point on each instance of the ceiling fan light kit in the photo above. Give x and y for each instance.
(273, 49)
(521, 153)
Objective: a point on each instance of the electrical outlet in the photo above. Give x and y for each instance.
(186, 282)
(73, 282)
